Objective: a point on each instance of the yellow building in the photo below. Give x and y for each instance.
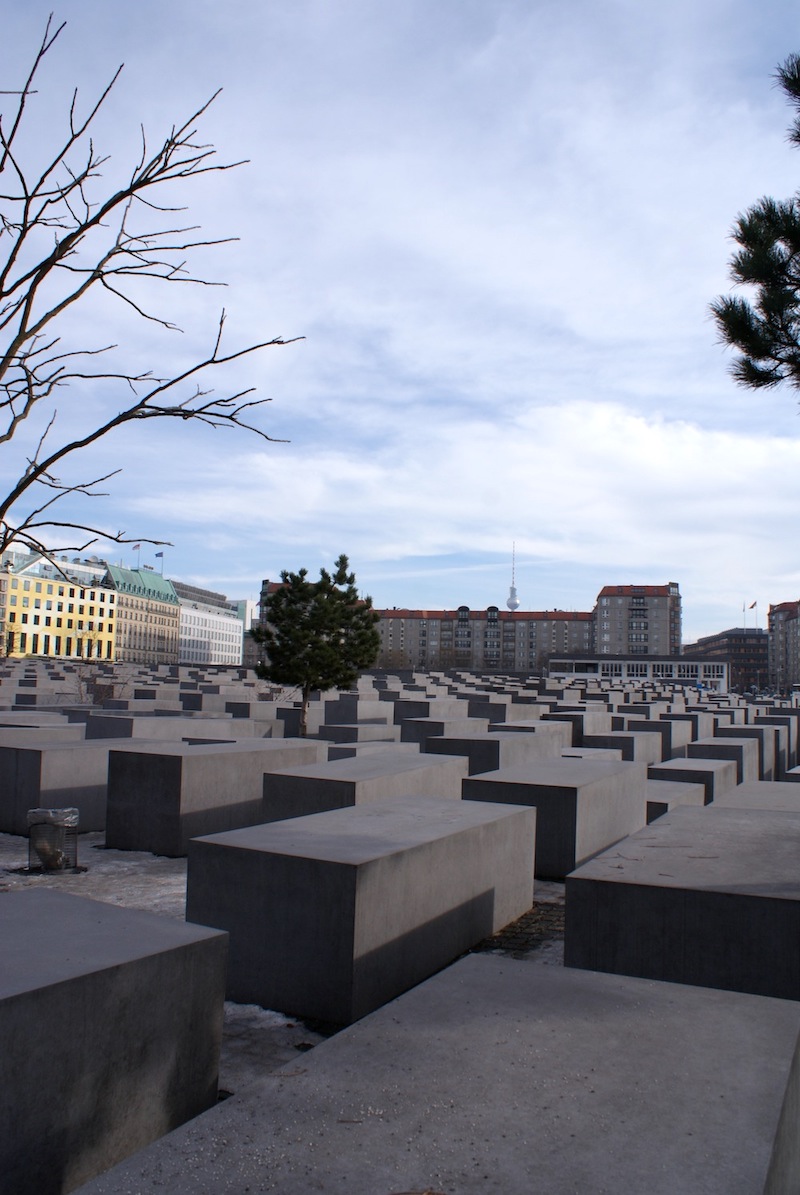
(56, 617)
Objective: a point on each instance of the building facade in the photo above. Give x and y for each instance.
(147, 616)
(480, 640)
(665, 670)
(210, 632)
(784, 664)
(747, 651)
(638, 620)
(47, 613)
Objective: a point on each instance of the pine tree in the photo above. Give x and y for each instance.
(766, 329)
(319, 634)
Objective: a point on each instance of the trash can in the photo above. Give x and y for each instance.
(53, 839)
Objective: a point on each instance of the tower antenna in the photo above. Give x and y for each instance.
(513, 602)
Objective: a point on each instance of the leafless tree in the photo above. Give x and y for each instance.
(64, 234)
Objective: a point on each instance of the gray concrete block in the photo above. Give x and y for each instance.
(377, 776)
(21, 736)
(586, 721)
(354, 750)
(417, 730)
(52, 775)
(554, 736)
(358, 732)
(664, 795)
(770, 760)
(486, 752)
(743, 750)
(702, 896)
(161, 795)
(762, 794)
(642, 746)
(331, 916)
(590, 753)
(583, 805)
(501, 1076)
(701, 721)
(170, 729)
(716, 775)
(111, 1021)
(779, 718)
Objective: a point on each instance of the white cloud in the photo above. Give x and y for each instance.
(500, 227)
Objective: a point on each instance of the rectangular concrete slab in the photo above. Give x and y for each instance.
(771, 762)
(645, 746)
(716, 775)
(513, 1078)
(702, 896)
(111, 1021)
(745, 751)
(583, 805)
(376, 776)
(762, 794)
(45, 774)
(161, 796)
(490, 750)
(663, 795)
(332, 915)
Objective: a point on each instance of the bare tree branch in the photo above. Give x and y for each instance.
(62, 237)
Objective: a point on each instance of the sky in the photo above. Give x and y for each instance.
(497, 226)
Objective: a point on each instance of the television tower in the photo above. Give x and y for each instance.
(513, 602)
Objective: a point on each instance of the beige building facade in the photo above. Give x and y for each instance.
(482, 640)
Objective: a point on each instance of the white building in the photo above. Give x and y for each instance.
(210, 631)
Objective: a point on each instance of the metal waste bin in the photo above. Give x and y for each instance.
(53, 839)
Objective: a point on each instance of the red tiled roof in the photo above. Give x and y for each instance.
(630, 590)
(503, 615)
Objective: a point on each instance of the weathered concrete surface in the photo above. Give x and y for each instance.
(489, 751)
(417, 730)
(583, 805)
(169, 728)
(664, 795)
(162, 795)
(111, 1023)
(376, 776)
(509, 1077)
(702, 896)
(676, 733)
(762, 794)
(359, 732)
(789, 744)
(745, 751)
(771, 759)
(332, 915)
(255, 1041)
(644, 746)
(716, 775)
(47, 774)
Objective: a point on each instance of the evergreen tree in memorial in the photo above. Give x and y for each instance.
(319, 634)
(765, 327)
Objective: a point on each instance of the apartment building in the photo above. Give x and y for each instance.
(745, 648)
(480, 640)
(784, 649)
(638, 620)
